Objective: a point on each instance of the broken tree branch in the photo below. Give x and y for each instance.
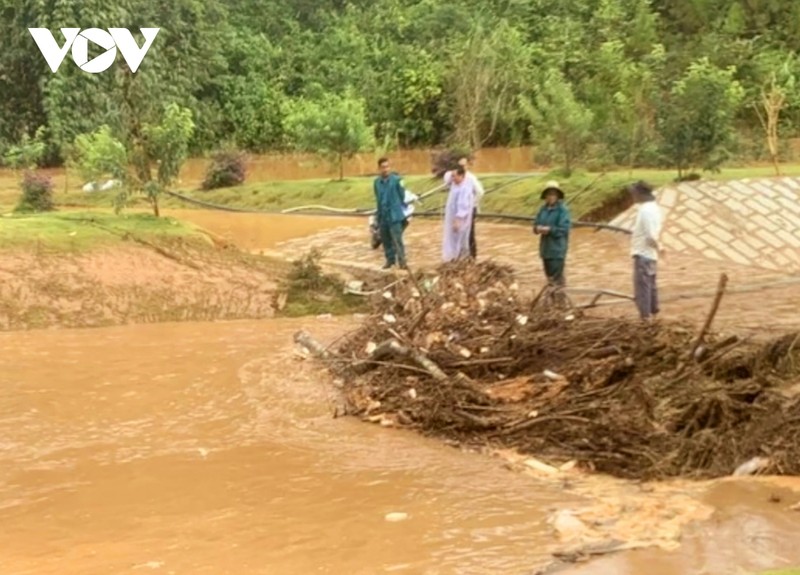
(316, 349)
(723, 282)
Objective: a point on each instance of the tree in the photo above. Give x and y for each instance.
(428, 72)
(485, 75)
(625, 102)
(28, 153)
(334, 127)
(697, 118)
(558, 120)
(166, 146)
(37, 190)
(100, 155)
(776, 92)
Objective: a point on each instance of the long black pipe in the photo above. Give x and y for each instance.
(368, 211)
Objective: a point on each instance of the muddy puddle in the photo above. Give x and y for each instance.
(210, 448)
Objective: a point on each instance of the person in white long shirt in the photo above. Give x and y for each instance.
(457, 216)
(479, 191)
(645, 250)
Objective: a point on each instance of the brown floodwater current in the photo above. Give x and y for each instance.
(191, 449)
(210, 448)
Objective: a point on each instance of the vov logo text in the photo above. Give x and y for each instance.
(78, 40)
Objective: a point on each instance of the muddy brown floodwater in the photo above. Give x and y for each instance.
(190, 449)
(255, 232)
(210, 448)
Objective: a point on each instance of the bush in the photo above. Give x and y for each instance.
(227, 169)
(308, 290)
(447, 160)
(307, 275)
(37, 194)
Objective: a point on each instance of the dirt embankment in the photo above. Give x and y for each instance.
(461, 355)
(133, 282)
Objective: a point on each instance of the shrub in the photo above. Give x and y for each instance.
(37, 193)
(308, 290)
(306, 274)
(446, 160)
(227, 169)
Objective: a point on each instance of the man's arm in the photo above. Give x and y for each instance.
(562, 225)
(377, 201)
(536, 222)
(651, 227)
(479, 191)
(401, 191)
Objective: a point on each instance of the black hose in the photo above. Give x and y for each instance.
(368, 211)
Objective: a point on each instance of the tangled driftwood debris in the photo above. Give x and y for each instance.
(462, 355)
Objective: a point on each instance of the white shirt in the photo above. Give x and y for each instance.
(479, 191)
(408, 201)
(647, 227)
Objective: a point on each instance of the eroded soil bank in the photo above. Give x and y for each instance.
(133, 282)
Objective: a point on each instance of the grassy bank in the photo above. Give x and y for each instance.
(76, 231)
(586, 191)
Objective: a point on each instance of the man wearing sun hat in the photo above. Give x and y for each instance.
(553, 224)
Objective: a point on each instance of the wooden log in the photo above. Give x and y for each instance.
(535, 300)
(603, 352)
(316, 349)
(394, 348)
(429, 365)
(383, 351)
(723, 282)
(728, 341)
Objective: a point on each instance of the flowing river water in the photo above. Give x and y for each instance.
(211, 449)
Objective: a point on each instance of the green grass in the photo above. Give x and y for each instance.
(78, 231)
(586, 191)
(304, 306)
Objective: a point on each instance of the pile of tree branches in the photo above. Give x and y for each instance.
(460, 354)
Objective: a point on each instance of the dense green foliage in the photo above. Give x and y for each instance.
(601, 80)
(334, 127)
(149, 163)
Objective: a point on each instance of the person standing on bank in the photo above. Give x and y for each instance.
(457, 215)
(479, 192)
(390, 199)
(645, 250)
(553, 224)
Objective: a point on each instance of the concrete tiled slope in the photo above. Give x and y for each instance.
(746, 222)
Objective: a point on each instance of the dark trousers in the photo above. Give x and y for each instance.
(554, 270)
(393, 247)
(473, 246)
(645, 289)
